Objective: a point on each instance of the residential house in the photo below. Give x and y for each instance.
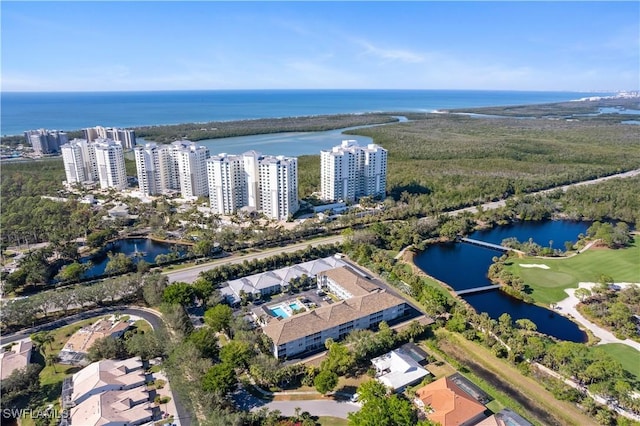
(17, 357)
(398, 369)
(446, 403)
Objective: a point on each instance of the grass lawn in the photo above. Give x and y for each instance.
(625, 355)
(548, 285)
(332, 421)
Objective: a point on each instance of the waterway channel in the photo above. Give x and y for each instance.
(291, 144)
(464, 266)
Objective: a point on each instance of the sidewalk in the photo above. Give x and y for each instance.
(170, 407)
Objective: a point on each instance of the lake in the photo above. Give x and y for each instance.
(465, 266)
(136, 248)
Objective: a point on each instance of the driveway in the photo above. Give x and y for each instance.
(317, 407)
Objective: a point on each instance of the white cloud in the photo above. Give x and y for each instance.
(387, 54)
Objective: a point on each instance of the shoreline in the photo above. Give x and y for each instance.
(433, 101)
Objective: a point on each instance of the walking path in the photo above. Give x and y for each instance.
(567, 307)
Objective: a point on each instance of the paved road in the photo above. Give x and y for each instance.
(496, 204)
(149, 316)
(191, 273)
(317, 407)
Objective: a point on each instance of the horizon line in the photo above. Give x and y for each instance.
(322, 90)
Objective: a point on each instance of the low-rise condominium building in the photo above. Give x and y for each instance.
(308, 331)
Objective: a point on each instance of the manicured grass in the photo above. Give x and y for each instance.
(626, 355)
(548, 285)
(143, 326)
(332, 421)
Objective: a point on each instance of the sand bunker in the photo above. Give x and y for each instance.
(533, 265)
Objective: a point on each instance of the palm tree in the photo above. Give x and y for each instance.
(51, 360)
(48, 338)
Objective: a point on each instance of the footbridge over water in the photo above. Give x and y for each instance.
(485, 244)
(477, 289)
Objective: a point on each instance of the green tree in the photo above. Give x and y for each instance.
(219, 317)
(325, 381)
(179, 293)
(145, 345)
(118, 263)
(339, 358)
(236, 353)
(379, 409)
(107, 348)
(220, 378)
(73, 272)
(206, 341)
(51, 361)
(153, 288)
(372, 390)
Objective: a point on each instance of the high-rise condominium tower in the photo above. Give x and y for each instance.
(192, 168)
(45, 141)
(265, 183)
(350, 171)
(79, 161)
(149, 165)
(110, 164)
(101, 160)
(227, 183)
(127, 138)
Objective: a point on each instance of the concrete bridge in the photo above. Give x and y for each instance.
(477, 289)
(485, 244)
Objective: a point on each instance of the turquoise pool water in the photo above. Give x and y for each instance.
(278, 311)
(295, 306)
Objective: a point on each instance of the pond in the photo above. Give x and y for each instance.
(136, 248)
(465, 266)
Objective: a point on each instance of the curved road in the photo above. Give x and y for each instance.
(152, 317)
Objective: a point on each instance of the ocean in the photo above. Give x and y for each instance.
(21, 111)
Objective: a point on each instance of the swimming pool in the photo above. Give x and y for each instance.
(285, 309)
(279, 312)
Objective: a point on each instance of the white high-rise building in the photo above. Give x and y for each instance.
(77, 157)
(349, 171)
(109, 157)
(100, 161)
(278, 186)
(373, 178)
(149, 166)
(192, 168)
(127, 138)
(46, 141)
(267, 184)
(227, 189)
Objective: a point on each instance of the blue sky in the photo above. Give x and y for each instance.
(95, 46)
